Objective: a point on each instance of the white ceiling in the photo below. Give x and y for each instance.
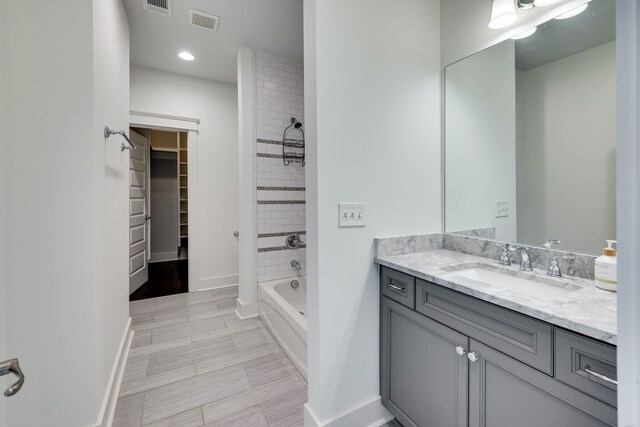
(273, 26)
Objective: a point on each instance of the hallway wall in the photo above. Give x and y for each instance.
(64, 77)
(216, 105)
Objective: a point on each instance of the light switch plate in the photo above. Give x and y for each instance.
(502, 208)
(351, 215)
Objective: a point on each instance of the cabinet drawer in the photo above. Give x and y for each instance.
(398, 286)
(521, 337)
(588, 365)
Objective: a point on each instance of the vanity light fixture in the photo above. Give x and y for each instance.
(573, 12)
(525, 34)
(543, 3)
(503, 14)
(186, 56)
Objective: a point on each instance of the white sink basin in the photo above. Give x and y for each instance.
(509, 282)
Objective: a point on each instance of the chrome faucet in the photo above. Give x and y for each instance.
(525, 259)
(296, 265)
(504, 254)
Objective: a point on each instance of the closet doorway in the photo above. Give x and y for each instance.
(159, 213)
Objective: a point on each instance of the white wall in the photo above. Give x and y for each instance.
(567, 151)
(372, 110)
(216, 105)
(65, 211)
(164, 204)
(465, 28)
(480, 151)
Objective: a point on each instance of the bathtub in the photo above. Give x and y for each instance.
(283, 310)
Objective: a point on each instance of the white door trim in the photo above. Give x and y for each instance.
(163, 121)
(190, 125)
(628, 210)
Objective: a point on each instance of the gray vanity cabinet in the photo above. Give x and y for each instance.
(424, 369)
(505, 392)
(457, 361)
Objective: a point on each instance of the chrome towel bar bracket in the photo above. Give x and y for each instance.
(108, 132)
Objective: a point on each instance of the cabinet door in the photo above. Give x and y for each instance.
(423, 378)
(505, 392)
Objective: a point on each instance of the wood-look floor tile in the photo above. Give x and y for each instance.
(254, 396)
(170, 301)
(139, 319)
(286, 410)
(147, 326)
(231, 320)
(235, 358)
(158, 380)
(226, 303)
(207, 314)
(229, 290)
(172, 399)
(251, 417)
(129, 411)
(141, 339)
(154, 348)
(142, 306)
(268, 368)
(135, 368)
(190, 354)
(202, 296)
(252, 338)
(191, 418)
(232, 330)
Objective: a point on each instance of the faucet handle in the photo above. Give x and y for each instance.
(504, 255)
(554, 268)
(571, 260)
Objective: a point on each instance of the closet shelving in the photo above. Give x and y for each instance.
(183, 190)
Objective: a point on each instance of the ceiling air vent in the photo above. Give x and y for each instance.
(203, 20)
(163, 7)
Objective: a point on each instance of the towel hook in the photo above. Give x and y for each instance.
(108, 132)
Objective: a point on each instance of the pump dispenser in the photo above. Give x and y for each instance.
(607, 268)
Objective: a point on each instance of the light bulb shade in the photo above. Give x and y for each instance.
(543, 3)
(573, 12)
(503, 14)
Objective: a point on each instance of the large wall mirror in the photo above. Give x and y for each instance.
(530, 135)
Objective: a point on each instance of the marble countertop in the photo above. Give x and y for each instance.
(585, 309)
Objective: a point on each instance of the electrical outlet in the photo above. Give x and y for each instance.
(351, 215)
(502, 208)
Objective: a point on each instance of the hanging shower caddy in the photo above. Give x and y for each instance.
(293, 143)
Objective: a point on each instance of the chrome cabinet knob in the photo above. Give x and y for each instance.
(460, 350)
(473, 356)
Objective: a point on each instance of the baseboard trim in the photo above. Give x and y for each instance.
(370, 414)
(163, 257)
(246, 310)
(105, 418)
(217, 282)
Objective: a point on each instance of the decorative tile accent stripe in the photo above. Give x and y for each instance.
(270, 156)
(269, 141)
(280, 248)
(286, 233)
(281, 202)
(282, 188)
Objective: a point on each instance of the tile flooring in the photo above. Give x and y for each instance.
(194, 363)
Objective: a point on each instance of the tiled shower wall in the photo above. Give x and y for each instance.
(280, 189)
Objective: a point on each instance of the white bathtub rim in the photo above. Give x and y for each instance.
(283, 307)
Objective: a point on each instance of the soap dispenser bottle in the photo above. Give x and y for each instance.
(607, 268)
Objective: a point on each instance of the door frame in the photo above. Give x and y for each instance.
(190, 125)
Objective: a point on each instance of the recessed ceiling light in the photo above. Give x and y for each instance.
(524, 34)
(186, 56)
(573, 12)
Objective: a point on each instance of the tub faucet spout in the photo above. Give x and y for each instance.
(296, 265)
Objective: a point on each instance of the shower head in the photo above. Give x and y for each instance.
(296, 124)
